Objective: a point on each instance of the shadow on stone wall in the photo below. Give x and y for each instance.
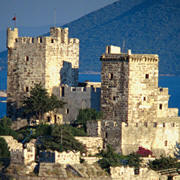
(68, 74)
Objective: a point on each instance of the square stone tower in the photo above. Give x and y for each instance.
(52, 60)
(130, 94)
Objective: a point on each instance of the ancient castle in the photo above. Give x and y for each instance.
(135, 109)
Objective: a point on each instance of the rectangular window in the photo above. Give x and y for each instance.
(40, 39)
(27, 89)
(147, 76)
(166, 143)
(145, 124)
(62, 91)
(52, 40)
(155, 124)
(164, 124)
(160, 106)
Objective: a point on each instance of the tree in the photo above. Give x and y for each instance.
(39, 102)
(4, 150)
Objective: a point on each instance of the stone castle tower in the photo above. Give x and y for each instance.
(130, 97)
(52, 60)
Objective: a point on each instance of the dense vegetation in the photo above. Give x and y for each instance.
(110, 158)
(164, 163)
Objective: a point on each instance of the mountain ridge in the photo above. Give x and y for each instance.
(150, 27)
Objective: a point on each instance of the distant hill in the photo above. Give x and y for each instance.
(146, 26)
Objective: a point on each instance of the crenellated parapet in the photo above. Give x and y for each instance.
(12, 35)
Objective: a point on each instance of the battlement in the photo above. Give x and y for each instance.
(114, 53)
(154, 124)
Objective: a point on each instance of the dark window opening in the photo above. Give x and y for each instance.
(40, 39)
(27, 89)
(73, 89)
(106, 135)
(155, 124)
(136, 171)
(165, 143)
(161, 89)
(55, 119)
(144, 98)
(52, 40)
(114, 98)
(48, 119)
(62, 91)
(27, 58)
(173, 124)
(145, 124)
(164, 124)
(32, 40)
(67, 111)
(160, 106)
(136, 124)
(84, 89)
(147, 76)
(16, 40)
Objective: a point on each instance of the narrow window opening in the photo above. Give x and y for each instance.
(114, 98)
(136, 124)
(49, 119)
(144, 98)
(32, 40)
(164, 124)
(27, 89)
(147, 76)
(173, 124)
(62, 91)
(40, 39)
(145, 124)
(84, 89)
(106, 135)
(27, 58)
(16, 40)
(160, 106)
(67, 111)
(110, 76)
(166, 143)
(55, 119)
(155, 124)
(161, 89)
(52, 40)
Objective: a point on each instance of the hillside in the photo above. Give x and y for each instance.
(145, 26)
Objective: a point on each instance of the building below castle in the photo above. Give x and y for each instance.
(135, 109)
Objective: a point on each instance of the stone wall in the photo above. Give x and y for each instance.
(94, 128)
(130, 95)
(159, 137)
(51, 61)
(128, 173)
(93, 144)
(67, 157)
(18, 154)
(77, 98)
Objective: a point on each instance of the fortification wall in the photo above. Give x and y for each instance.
(93, 144)
(50, 61)
(143, 87)
(128, 173)
(114, 96)
(77, 98)
(159, 136)
(94, 128)
(67, 157)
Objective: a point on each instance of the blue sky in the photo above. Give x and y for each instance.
(33, 13)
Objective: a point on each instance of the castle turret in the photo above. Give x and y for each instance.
(12, 35)
(65, 34)
(55, 32)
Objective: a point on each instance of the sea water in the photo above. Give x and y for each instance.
(171, 82)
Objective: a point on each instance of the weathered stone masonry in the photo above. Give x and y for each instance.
(130, 97)
(51, 61)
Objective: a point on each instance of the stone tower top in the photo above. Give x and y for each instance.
(12, 35)
(114, 53)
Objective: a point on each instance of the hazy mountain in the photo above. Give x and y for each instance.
(145, 26)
